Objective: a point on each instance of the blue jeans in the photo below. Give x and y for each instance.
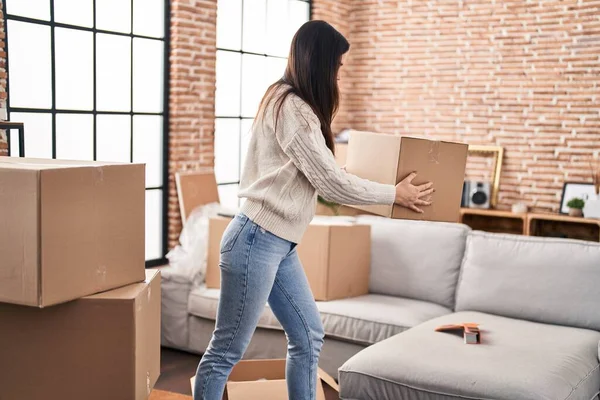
(256, 267)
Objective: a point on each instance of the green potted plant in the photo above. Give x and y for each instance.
(575, 207)
(334, 207)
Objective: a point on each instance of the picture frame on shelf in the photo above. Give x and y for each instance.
(497, 152)
(573, 190)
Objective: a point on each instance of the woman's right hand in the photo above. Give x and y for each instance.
(411, 196)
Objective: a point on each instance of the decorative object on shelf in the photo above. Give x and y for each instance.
(479, 196)
(592, 208)
(334, 207)
(519, 208)
(573, 190)
(576, 207)
(595, 169)
(592, 205)
(498, 153)
(464, 201)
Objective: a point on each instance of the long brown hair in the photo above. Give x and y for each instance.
(312, 74)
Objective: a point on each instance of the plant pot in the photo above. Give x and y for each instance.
(575, 212)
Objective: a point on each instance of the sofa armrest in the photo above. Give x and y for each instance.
(175, 289)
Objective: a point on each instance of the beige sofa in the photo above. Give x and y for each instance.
(538, 301)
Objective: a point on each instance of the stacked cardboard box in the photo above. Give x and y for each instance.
(80, 315)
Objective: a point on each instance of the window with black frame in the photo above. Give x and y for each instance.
(89, 78)
(253, 41)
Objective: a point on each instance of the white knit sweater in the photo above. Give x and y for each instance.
(286, 167)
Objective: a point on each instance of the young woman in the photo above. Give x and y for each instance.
(290, 160)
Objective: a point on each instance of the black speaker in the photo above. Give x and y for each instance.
(479, 195)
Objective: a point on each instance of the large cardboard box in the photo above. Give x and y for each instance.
(336, 256)
(341, 152)
(265, 379)
(105, 346)
(69, 229)
(389, 159)
(216, 228)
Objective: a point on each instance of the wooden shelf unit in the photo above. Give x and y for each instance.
(494, 221)
(532, 224)
(556, 225)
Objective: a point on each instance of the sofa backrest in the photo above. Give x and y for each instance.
(415, 259)
(555, 281)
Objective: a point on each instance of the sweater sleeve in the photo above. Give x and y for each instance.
(305, 145)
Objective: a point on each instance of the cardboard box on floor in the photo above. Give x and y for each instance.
(105, 346)
(265, 379)
(69, 229)
(389, 159)
(336, 256)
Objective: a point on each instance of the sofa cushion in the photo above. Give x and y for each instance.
(372, 318)
(554, 281)
(415, 259)
(517, 360)
(364, 320)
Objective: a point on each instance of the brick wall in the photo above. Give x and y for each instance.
(192, 94)
(517, 73)
(3, 142)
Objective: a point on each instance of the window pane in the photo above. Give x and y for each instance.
(148, 75)
(229, 24)
(227, 150)
(246, 136)
(74, 12)
(30, 65)
(39, 9)
(228, 196)
(74, 69)
(253, 83)
(154, 224)
(254, 39)
(149, 18)
(113, 15)
(277, 28)
(113, 73)
(148, 146)
(275, 69)
(299, 13)
(38, 134)
(227, 97)
(75, 136)
(113, 138)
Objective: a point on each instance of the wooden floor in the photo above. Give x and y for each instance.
(176, 369)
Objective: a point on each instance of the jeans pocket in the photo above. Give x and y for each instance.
(232, 233)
